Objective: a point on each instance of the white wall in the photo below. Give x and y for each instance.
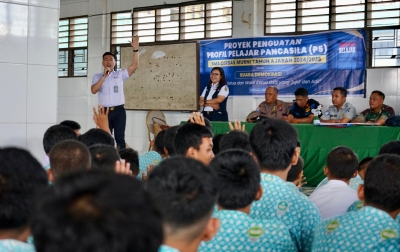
(28, 63)
(75, 101)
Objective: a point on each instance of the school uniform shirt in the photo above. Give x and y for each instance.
(165, 248)
(333, 199)
(369, 229)
(356, 206)
(10, 245)
(347, 110)
(224, 92)
(238, 232)
(111, 93)
(151, 157)
(354, 182)
(279, 201)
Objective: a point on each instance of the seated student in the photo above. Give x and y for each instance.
(391, 147)
(239, 181)
(73, 125)
(216, 140)
(372, 228)
(96, 211)
(275, 145)
(341, 111)
(131, 156)
(194, 141)
(336, 196)
(169, 140)
(301, 110)
(185, 191)
(21, 178)
(235, 139)
(154, 156)
(295, 174)
(96, 136)
(377, 112)
(104, 157)
(66, 156)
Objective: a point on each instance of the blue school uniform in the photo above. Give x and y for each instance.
(359, 204)
(283, 202)
(368, 229)
(10, 245)
(238, 232)
(165, 248)
(151, 157)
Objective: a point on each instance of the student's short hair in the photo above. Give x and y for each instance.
(363, 162)
(72, 124)
(104, 157)
(185, 191)
(301, 92)
(169, 139)
(274, 142)
(295, 170)
(382, 182)
(110, 53)
(238, 178)
(69, 155)
(342, 162)
(21, 177)
(216, 140)
(55, 134)
(131, 156)
(159, 142)
(96, 211)
(190, 135)
(235, 139)
(342, 90)
(96, 136)
(392, 147)
(381, 94)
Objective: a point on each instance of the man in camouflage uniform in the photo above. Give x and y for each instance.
(377, 112)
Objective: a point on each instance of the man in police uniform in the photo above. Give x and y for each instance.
(341, 111)
(271, 107)
(377, 112)
(301, 110)
(110, 86)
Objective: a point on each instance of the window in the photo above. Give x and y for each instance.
(385, 48)
(72, 45)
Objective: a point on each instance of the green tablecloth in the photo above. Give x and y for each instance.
(318, 141)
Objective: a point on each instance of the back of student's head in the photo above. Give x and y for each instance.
(169, 139)
(72, 124)
(206, 122)
(342, 162)
(21, 177)
(392, 147)
(159, 143)
(55, 134)
(96, 211)
(69, 155)
(274, 143)
(382, 182)
(295, 170)
(96, 136)
(185, 191)
(104, 157)
(131, 156)
(190, 135)
(238, 178)
(216, 140)
(235, 140)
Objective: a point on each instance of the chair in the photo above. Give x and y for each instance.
(154, 116)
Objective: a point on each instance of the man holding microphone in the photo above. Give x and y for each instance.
(110, 86)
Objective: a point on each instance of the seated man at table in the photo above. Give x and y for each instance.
(300, 111)
(377, 112)
(271, 107)
(341, 111)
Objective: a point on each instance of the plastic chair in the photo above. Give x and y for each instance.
(154, 116)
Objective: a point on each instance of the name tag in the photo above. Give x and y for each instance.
(115, 89)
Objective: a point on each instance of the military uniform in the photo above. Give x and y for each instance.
(275, 110)
(347, 110)
(370, 115)
(299, 112)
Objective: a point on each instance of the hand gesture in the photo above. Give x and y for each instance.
(123, 167)
(197, 118)
(302, 182)
(149, 169)
(237, 125)
(135, 42)
(100, 118)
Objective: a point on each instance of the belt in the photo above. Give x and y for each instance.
(115, 107)
(208, 112)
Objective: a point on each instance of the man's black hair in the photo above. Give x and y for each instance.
(104, 157)
(216, 140)
(72, 124)
(169, 139)
(131, 156)
(342, 162)
(274, 142)
(206, 122)
(392, 147)
(342, 90)
(55, 134)
(235, 140)
(361, 165)
(159, 142)
(21, 177)
(69, 155)
(238, 178)
(96, 136)
(96, 211)
(381, 94)
(185, 191)
(190, 135)
(110, 53)
(382, 182)
(295, 170)
(301, 92)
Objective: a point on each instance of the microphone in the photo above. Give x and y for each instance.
(107, 73)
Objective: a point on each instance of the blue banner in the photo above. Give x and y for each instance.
(318, 62)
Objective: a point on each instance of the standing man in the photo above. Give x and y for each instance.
(110, 85)
(341, 111)
(301, 110)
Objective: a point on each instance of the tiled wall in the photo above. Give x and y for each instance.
(75, 100)
(28, 63)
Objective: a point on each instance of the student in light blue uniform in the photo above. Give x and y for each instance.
(185, 191)
(239, 180)
(154, 156)
(274, 143)
(373, 227)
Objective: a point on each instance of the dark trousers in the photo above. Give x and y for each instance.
(117, 123)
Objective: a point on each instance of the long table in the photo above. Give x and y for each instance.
(318, 141)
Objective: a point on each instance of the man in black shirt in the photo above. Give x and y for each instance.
(300, 111)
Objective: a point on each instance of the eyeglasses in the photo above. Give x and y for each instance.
(214, 74)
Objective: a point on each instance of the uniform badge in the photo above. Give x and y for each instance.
(226, 88)
(255, 233)
(360, 205)
(348, 110)
(267, 177)
(327, 113)
(332, 226)
(388, 234)
(282, 207)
